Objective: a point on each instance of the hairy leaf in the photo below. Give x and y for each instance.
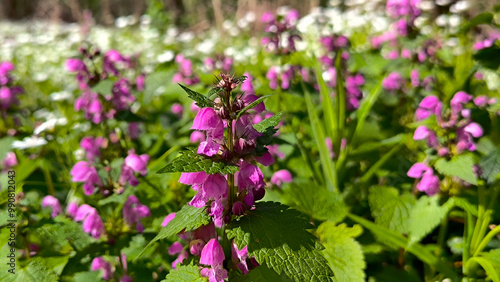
(459, 166)
(184, 273)
(343, 253)
(268, 123)
(317, 202)
(187, 219)
(104, 87)
(261, 274)
(390, 209)
(277, 236)
(426, 215)
(490, 164)
(201, 100)
(190, 161)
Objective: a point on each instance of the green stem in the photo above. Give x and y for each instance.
(487, 239)
(48, 178)
(442, 237)
(480, 216)
(467, 236)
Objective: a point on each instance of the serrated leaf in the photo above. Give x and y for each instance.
(35, 271)
(459, 166)
(201, 100)
(253, 105)
(187, 219)
(64, 231)
(426, 215)
(240, 79)
(319, 203)
(261, 274)
(391, 210)
(490, 165)
(343, 253)
(190, 161)
(104, 87)
(268, 123)
(277, 236)
(185, 273)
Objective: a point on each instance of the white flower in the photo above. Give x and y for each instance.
(29, 142)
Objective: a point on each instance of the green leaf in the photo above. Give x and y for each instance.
(190, 161)
(253, 104)
(277, 237)
(5, 146)
(87, 276)
(187, 219)
(184, 273)
(426, 215)
(490, 165)
(327, 164)
(35, 271)
(201, 100)
(489, 57)
(104, 87)
(331, 119)
(240, 79)
(483, 18)
(459, 166)
(394, 239)
(319, 203)
(261, 274)
(343, 253)
(391, 210)
(271, 122)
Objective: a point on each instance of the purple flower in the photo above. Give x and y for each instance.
(140, 81)
(85, 172)
(177, 109)
(133, 211)
(72, 209)
(196, 246)
(133, 130)
(190, 178)
(414, 76)
(138, 163)
(239, 257)
(111, 59)
(92, 147)
(429, 183)
(53, 203)
(481, 101)
(212, 254)
(281, 176)
(185, 73)
(428, 106)
(197, 137)
(99, 263)
(207, 119)
(92, 222)
(474, 129)
(401, 8)
(175, 248)
(423, 133)
(215, 186)
(394, 81)
(9, 161)
(167, 219)
(250, 176)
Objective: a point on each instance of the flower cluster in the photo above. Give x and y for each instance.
(353, 81)
(453, 133)
(99, 107)
(228, 136)
(8, 91)
(185, 73)
(281, 31)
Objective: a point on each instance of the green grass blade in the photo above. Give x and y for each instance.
(340, 102)
(331, 121)
(400, 241)
(327, 164)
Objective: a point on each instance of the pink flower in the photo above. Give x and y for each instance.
(175, 248)
(197, 137)
(481, 101)
(138, 163)
(422, 133)
(85, 172)
(177, 109)
(239, 257)
(474, 129)
(53, 203)
(133, 130)
(100, 263)
(250, 176)
(92, 222)
(394, 81)
(9, 161)
(206, 119)
(212, 254)
(133, 211)
(92, 147)
(281, 176)
(215, 186)
(428, 106)
(72, 209)
(190, 178)
(429, 183)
